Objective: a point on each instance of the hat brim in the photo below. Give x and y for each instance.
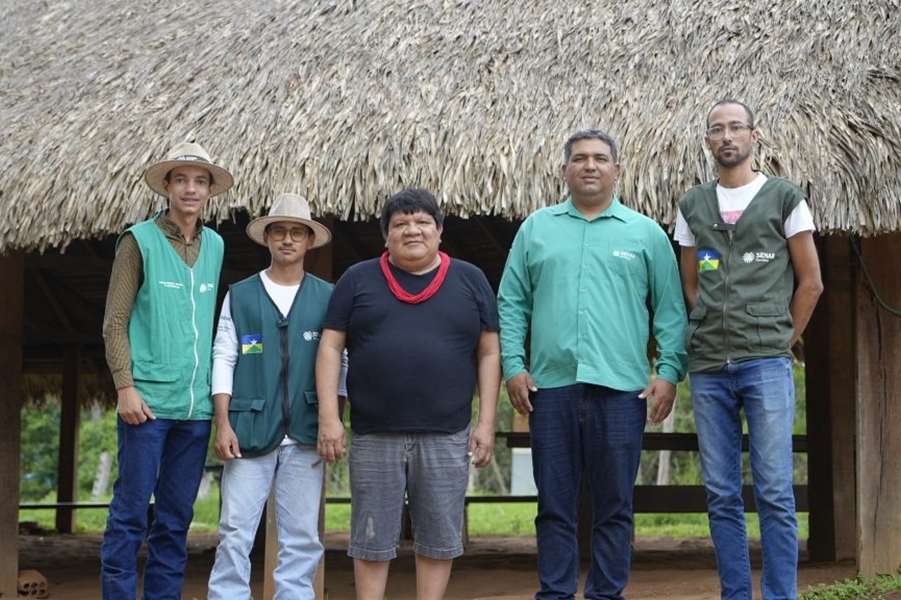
(156, 176)
(257, 227)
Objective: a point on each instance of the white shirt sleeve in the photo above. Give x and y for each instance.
(225, 351)
(683, 234)
(799, 220)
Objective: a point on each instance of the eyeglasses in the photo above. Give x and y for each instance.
(717, 132)
(298, 234)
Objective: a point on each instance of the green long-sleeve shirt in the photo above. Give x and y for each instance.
(584, 287)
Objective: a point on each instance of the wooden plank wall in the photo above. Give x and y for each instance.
(879, 407)
(830, 372)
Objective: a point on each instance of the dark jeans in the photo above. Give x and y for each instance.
(597, 431)
(164, 458)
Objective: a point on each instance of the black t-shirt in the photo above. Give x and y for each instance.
(411, 367)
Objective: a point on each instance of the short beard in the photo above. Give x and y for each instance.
(731, 162)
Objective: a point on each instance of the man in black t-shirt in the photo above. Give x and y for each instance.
(421, 331)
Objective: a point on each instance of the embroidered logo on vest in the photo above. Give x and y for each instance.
(708, 260)
(252, 344)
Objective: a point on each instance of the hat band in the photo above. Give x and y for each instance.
(191, 157)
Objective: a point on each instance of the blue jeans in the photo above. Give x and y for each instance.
(597, 431)
(765, 389)
(164, 458)
(297, 473)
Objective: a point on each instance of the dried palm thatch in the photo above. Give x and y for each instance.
(347, 101)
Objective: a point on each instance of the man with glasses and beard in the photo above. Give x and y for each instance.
(751, 279)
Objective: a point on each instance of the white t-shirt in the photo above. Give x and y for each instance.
(734, 201)
(225, 346)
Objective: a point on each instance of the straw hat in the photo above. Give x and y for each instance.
(293, 208)
(187, 153)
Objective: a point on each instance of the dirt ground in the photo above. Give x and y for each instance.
(500, 568)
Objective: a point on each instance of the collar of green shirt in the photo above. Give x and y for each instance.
(615, 210)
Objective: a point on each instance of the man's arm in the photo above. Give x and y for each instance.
(514, 305)
(332, 441)
(669, 324)
(689, 273)
(806, 264)
(225, 357)
(226, 443)
(125, 280)
(488, 364)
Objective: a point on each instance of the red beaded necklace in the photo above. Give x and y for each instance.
(405, 296)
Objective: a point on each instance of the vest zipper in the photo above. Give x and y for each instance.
(726, 300)
(196, 341)
(286, 413)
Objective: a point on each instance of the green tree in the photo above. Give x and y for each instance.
(39, 451)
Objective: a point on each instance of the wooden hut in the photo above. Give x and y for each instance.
(347, 101)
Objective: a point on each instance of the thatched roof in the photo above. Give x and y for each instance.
(346, 101)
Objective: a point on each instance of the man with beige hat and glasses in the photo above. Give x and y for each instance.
(266, 411)
(158, 330)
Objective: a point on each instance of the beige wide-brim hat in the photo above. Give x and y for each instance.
(292, 208)
(191, 154)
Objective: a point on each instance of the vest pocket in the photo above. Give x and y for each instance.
(242, 414)
(147, 370)
(695, 318)
(311, 397)
(772, 320)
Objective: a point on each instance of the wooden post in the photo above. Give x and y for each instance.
(829, 358)
(11, 317)
(67, 473)
(320, 264)
(879, 407)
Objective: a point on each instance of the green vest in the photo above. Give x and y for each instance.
(170, 332)
(274, 382)
(745, 277)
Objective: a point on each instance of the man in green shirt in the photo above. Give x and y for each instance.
(582, 276)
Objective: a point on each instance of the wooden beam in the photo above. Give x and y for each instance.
(11, 314)
(87, 265)
(52, 300)
(36, 340)
(67, 471)
(878, 340)
(829, 356)
(489, 232)
(322, 266)
(341, 230)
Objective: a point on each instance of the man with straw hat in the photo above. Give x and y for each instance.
(264, 391)
(158, 330)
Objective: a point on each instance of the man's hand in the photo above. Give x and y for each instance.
(332, 441)
(226, 442)
(481, 445)
(662, 394)
(518, 389)
(132, 407)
